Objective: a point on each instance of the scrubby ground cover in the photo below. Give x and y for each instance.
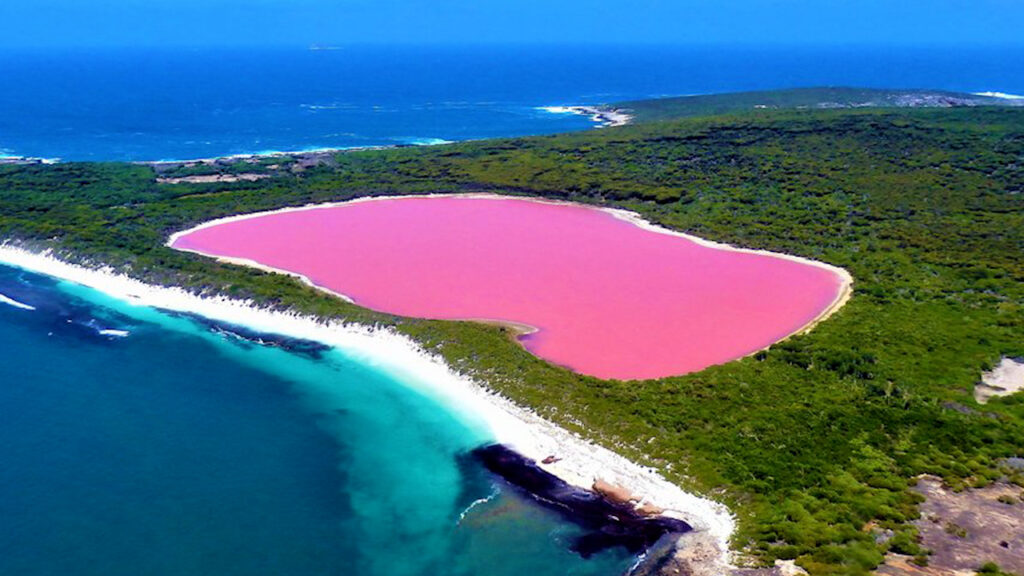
(814, 442)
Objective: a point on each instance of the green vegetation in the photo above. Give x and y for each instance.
(813, 98)
(814, 442)
(992, 569)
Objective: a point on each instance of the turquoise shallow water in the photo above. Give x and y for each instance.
(182, 449)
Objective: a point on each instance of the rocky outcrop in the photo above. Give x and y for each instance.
(607, 512)
(690, 554)
(615, 494)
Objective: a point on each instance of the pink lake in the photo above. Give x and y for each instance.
(607, 297)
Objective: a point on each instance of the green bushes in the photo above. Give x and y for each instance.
(814, 441)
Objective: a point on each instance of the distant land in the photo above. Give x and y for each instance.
(804, 98)
(627, 112)
(858, 446)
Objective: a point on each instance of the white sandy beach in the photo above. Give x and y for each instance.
(579, 462)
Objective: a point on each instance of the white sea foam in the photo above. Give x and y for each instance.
(559, 109)
(579, 462)
(603, 116)
(1002, 95)
(9, 156)
(12, 302)
(262, 154)
(426, 141)
(346, 106)
(114, 333)
(475, 503)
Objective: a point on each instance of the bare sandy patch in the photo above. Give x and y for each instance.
(1005, 379)
(966, 529)
(213, 178)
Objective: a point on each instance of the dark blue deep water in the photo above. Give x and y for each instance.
(152, 105)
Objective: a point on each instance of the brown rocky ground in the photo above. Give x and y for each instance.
(965, 530)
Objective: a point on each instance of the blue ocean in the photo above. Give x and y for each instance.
(135, 441)
(185, 104)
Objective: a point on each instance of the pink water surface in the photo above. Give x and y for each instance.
(608, 298)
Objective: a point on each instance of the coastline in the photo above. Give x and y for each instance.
(843, 295)
(999, 95)
(254, 156)
(26, 160)
(602, 115)
(560, 452)
(605, 116)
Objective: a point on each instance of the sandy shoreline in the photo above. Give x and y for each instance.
(579, 462)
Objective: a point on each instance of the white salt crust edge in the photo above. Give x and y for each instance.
(581, 462)
(843, 294)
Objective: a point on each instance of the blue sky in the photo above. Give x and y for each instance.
(301, 22)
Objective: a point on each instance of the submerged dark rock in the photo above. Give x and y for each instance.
(59, 312)
(608, 524)
(309, 348)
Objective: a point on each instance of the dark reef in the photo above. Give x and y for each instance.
(607, 524)
(250, 337)
(58, 312)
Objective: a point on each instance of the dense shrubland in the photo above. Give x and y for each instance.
(815, 441)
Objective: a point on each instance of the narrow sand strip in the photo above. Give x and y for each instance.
(578, 461)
